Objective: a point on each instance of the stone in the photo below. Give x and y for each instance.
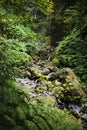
(84, 108)
(75, 110)
(52, 76)
(25, 82)
(84, 120)
(41, 64)
(38, 81)
(66, 73)
(84, 117)
(46, 71)
(67, 76)
(53, 69)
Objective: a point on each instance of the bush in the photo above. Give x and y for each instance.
(12, 55)
(72, 53)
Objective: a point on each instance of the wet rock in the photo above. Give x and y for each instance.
(75, 110)
(61, 105)
(84, 108)
(25, 82)
(38, 81)
(52, 76)
(84, 117)
(66, 73)
(41, 65)
(53, 69)
(84, 120)
(70, 82)
(46, 71)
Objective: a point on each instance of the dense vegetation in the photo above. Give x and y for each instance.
(29, 28)
(71, 51)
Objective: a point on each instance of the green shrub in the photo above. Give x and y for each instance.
(72, 53)
(21, 32)
(12, 55)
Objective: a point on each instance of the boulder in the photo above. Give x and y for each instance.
(70, 81)
(66, 73)
(70, 90)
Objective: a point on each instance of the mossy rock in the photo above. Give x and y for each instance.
(70, 89)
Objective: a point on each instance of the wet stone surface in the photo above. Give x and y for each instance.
(26, 82)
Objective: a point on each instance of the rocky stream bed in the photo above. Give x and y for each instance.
(58, 88)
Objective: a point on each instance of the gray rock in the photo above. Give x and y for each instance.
(84, 117)
(45, 71)
(75, 109)
(25, 82)
(84, 120)
(84, 108)
(41, 65)
(53, 69)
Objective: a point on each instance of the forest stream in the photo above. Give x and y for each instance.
(43, 64)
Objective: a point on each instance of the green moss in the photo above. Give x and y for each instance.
(46, 101)
(30, 125)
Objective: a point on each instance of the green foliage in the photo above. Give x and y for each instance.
(18, 40)
(72, 53)
(45, 6)
(22, 33)
(13, 54)
(75, 16)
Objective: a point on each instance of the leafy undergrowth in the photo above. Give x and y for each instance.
(17, 113)
(72, 53)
